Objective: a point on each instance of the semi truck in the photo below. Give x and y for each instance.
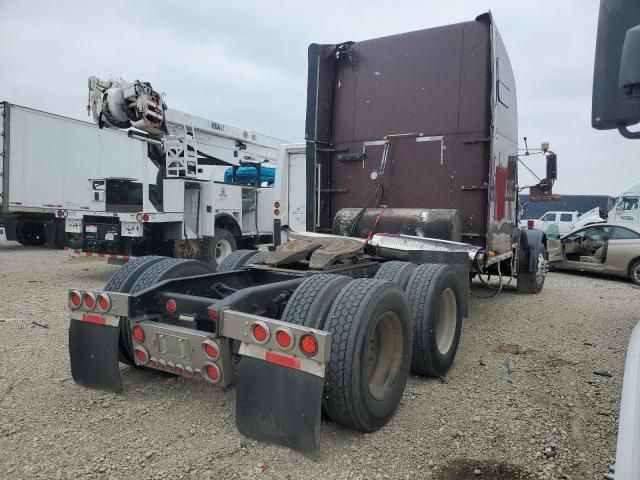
(410, 184)
(191, 208)
(45, 165)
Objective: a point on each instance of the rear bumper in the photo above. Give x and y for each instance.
(278, 388)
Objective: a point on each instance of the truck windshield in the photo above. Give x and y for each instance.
(628, 203)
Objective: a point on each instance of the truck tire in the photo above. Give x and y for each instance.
(435, 298)
(258, 258)
(533, 282)
(236, 260)
(396, 272)
(31, 234)
(167, 269)
(215, 249)
(148, 273)
(311, 301)
(61, 235)
(121, 281)
(370, 324)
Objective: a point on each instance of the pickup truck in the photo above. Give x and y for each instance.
(564, 221)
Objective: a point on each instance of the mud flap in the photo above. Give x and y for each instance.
(93, 350)
(280, 405)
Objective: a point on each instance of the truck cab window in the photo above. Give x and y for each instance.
(628, 203)
(566, 217)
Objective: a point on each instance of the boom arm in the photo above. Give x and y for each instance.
(186, 140)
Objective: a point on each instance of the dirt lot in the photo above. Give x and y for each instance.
(480, 422)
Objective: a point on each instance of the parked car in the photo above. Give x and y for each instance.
(564, 221)
(602, 248)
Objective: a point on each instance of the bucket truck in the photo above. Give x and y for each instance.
(190, 210)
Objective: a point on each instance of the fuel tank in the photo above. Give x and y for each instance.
(444, 224)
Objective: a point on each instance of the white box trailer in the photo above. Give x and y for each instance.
(46, 163)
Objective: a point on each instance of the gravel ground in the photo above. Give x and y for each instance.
(480, 418)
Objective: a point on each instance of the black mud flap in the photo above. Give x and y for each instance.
(93, 350)
(280, 405)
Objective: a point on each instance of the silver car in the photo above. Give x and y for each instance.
(601, 248)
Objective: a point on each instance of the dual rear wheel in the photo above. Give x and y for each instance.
(407, 318)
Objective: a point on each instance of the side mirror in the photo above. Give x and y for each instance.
(611, 107)
(552, 166)
(630, 64)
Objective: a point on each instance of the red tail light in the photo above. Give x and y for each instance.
(75, 298)
(171, 305)
(213, 314)
(530, 224)
(138, 333)
(309, 345)
(284, 339)
(260, 332)
(59, 213)
(178, 370)
(211, 349)
(212, 372)
(104, 302)
(89, 300)
(145, 217)
(141, 354)
(276, 205)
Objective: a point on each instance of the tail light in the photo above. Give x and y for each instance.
(153, 362)
(212, 372)
(276, 212)
(284, 338)
(75, 299)
(59, 214)
(145, 217)
(211, 349)
(138, 333)
(530, 224)
(213, 314)
(104, 302)
(309, 345)
(260, 332)
(89, 300)
(178, 370)
(276, 205)
(188, 372)
(171, 305)
(141, 354)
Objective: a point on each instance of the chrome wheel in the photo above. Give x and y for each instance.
(447, 316)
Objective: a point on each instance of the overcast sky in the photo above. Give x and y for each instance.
(245, 63)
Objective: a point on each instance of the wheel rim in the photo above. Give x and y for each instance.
(384, 355)
(447, 319)
(543, 268)
(636, 274)
(223, 250)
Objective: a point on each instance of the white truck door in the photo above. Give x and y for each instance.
(297, 191)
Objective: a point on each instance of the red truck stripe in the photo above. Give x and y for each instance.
(282, 360)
